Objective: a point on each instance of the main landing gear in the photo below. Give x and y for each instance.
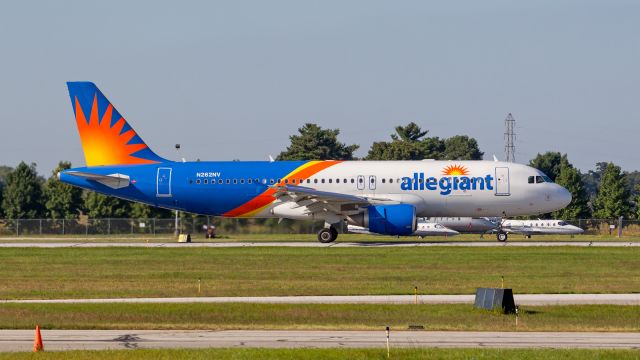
(501, 236)
(327, 235)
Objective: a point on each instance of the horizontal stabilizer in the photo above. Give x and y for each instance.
(114, 181)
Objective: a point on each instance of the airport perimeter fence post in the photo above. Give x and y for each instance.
(154, 227)
(620, 226)
(62, 226)
(17, 227)
(40, 225)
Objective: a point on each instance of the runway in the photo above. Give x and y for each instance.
(22, 340)
(520, 299)
(43, 244)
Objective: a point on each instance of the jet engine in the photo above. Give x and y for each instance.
(397, 219)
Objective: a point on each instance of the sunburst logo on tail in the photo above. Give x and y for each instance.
(104, 143)
(455, 170)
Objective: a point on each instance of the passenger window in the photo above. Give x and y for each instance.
(531, 179)
(360, 180)
(264, 181)
(241, 181)
(390, 181)
(315, 181)
(353, 181)
(206, 181)
(228, 181)
(219, 181)
(383, 180)
(337, 181)
(345, 181)
(286, 181)
(198, 181)
(293, 181)
(539, 179)
(322, 180)
(270, 181)
(248, 181)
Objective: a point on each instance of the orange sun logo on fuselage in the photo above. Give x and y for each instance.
(102, 143)
(455, 170)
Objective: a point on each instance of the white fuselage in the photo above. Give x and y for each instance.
(438, 188)
(540, 227)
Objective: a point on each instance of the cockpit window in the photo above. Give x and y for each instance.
(562, 223)
(539, 179)
(547, 179)
(531, 179)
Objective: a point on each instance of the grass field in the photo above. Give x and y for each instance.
(329, 354)
(170, 272)
(201, 316)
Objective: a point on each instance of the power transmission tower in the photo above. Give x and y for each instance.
(510, 137)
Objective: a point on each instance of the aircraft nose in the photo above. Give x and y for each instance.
(564, 196)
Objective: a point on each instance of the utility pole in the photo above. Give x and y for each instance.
(177, 231)
(510, 137)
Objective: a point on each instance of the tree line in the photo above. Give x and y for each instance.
(606, 192)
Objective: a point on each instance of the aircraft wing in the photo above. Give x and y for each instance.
(324, 201)
(114, 181)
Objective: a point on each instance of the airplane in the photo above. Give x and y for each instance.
(539, 227)
(466, 225)
(386, 197)
(422, 229)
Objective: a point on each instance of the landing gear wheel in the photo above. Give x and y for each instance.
(501, 236)
(327, 235)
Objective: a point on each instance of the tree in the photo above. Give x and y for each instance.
(461, 147)
(143, 211)
(571, 179)
(316, 143)
(102, 206)
(408, 143)
(612, 200)
(411, 143)
(62, 201)
(22, 194)
(4, 171)
(637, 201)
(409, 133)
(548, 163)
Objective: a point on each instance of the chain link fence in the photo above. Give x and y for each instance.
(153, 227)
(200, 224)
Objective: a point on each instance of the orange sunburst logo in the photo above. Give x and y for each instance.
(455, 170)
(102, 143)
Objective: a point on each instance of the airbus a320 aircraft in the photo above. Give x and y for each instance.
(385, 197)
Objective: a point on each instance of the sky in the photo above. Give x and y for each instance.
(233, 80)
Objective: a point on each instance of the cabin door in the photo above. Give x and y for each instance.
(163, 184)
(502, 181)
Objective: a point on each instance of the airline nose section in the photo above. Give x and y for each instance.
(563, 196)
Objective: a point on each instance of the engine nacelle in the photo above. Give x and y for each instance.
(397, 219)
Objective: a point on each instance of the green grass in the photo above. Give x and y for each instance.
(234, 316)
(172, 272)
(329, 354)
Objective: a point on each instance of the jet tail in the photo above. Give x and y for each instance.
(107, 138)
